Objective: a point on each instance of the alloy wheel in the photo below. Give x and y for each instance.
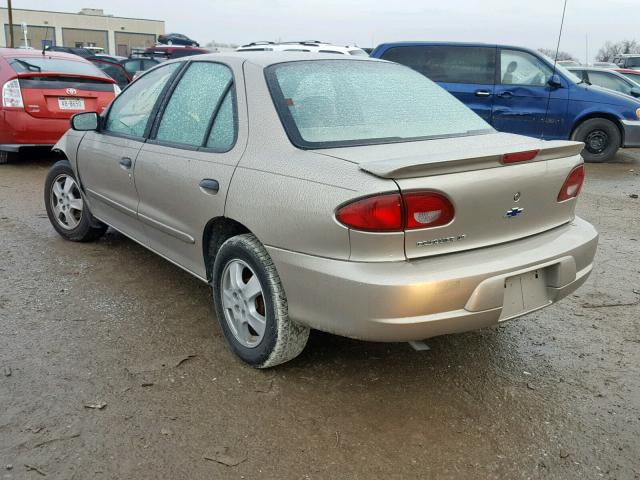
(243, 303)
(66, 202)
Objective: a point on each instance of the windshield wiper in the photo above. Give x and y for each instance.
(29, 66)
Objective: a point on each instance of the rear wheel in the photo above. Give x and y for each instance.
(601, 137)
(251, 305)
(66, 209)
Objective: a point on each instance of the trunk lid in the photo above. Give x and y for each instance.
(494, 203)
(61, 96)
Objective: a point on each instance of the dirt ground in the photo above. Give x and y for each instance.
(555, 394)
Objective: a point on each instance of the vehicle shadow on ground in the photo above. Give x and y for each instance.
(473, 351)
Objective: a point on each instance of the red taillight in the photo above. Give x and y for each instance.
(572, 185)
(382, 213)
(517, 157)
(394, 213)
(427, 209)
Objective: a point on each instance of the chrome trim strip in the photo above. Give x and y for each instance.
(112, 203)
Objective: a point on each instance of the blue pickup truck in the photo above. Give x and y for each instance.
(516, 90)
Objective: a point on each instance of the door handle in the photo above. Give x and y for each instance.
(506, 94)
(209, 185)
(483, 93)
(125, 163)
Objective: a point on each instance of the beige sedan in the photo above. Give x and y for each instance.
(353, 196)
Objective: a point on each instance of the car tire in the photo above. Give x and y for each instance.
(66, 208)
(601, 137)
(276, 340)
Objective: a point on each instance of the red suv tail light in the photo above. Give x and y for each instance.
(394, 212)
(572, 185)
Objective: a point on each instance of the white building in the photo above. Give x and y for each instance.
(87, 28)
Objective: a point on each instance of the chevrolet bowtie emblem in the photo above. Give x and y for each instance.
(514, 212)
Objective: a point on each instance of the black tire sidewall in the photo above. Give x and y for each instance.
(615, 138)
(258, 355)
(85, 230)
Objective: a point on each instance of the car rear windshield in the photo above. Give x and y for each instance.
(332, 103)
(53, 65)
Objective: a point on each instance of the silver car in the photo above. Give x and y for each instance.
(353, 196)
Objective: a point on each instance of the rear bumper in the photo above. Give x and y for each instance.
(17, 127)
(417, 299)
(631, 133)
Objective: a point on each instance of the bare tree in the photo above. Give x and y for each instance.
(552, 53)
(610, 49)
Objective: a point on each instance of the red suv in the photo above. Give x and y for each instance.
(41, 92)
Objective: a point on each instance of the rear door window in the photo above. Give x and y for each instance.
(448, 64)
(199, 97)
(148, 63)
(115, 71)
(131, 66)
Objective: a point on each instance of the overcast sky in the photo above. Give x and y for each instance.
(531, 23)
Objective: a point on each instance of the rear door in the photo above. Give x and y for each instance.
(468, 72)
(524, 102)
(107, 158)
(183, 172)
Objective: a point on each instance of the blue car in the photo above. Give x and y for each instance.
(516, 90)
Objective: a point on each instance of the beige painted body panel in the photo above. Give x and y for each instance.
(358, 284)
(109, 188)
(411, 300)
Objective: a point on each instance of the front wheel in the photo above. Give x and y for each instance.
(66, 209)
(601, 137)
(251, 305)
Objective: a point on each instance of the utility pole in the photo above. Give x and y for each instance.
(10, 10)
(586, 37)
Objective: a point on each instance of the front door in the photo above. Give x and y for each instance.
(184, 170)
(107, 158)
(524, 102)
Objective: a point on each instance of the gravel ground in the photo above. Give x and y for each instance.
(112, 365)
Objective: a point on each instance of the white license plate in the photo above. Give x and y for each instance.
(71, 103)
(524, 293)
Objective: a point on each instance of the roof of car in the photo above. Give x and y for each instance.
(22, 52)
(593, 69)
(627, 70)
(454, 44)
(267, 58)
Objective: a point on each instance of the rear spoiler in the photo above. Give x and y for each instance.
(65, 75)
(452, 162)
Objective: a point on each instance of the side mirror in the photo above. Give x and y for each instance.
(554, 81)
(85, 122)
(635, 92)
